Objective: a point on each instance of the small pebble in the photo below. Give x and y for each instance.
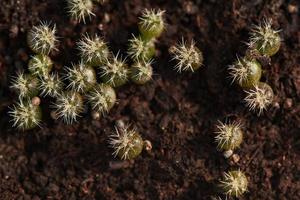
(235, 158)
(228, 153)
(292, 8)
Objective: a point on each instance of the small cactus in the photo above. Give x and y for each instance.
(151, 24)
(51, 85)
(188, 56)
(246, 72)
(266, 40)
(68, 106)
(25, 85)
(140, 49)
(115, 71)
(80, 9)
(25, 115)
(234, 183)
(40, 65)
(126, 142)
(93, 51)
(229, 136)
(81, 77)
(102, 98)
(141, 72)
(41, 39)
(260, 97)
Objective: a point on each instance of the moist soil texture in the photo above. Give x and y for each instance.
(177, 112)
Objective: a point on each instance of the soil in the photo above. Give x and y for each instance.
(176, 112)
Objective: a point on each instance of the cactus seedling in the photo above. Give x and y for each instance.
(246, 72)
(151, 24)
(115, 71)
(93, 51)
(25, 115)
(141, 72)
(229, 136)
(102, 98)
(81, 77)
(126, 142)
(188, 57)
(140, 49)
(68, 106)
(80, 9)
(265, 39)
(26, 85)
(234, 183)
(41, 39)
(260, 97)
(40, 65)
(51, 85)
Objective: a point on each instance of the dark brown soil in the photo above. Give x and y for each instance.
(177, 112)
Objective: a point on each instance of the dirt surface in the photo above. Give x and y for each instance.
(177, 112)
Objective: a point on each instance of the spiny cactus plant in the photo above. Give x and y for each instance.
(140, 49)
(93, 51)
(42, 39)
(126, 142)
(25, 85)
(81, 77)
(266, 40)
(40, 65)
(188, 56)
(141, 72)
(25, 115)
(102, 98)
(151, 23)
(51, 85)
(246, 72)
(80, 9)
(68, 106)
(115, 71)
(234, 183)
(260, 97)
(229, 136)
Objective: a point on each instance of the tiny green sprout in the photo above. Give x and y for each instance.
(41, 38)
(81, 77)
(51, 85)
(80, 9)
(68, 106)
(126, 142)
(188, 56)
(93, 51)
(25, 85)
(141, 72)
(234, 183)
(246, 72)
(40, 65)
(115, 71)
(229, 136)
(151, 23)
(102, 98)
(140, 49)
(260, 97)
(25, 115)
(266, 40)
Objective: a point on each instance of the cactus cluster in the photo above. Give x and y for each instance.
(82, 85)
(26, 113)
(228, 138)
(79, 82)
(247, 71)
(43, 81)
